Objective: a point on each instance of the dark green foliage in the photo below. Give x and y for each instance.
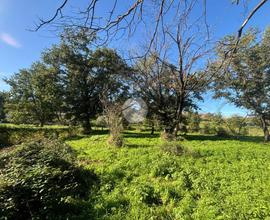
(221, 132)
(41, 180)
(148, 195)
(66, 84)
(86, 73)
(35, 95)
(13, 135)
(165, 94)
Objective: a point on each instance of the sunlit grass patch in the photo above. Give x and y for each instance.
(229, 179)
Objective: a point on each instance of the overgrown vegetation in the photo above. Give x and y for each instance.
(41, 180)
(90, 134)
(13, 134)
(149, 179)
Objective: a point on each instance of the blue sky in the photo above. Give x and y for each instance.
(19, 47)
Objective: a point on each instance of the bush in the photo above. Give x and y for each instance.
(116, 140)
(148, 195)
(166, 136)
(41, 181)
(176, 149)
(12, 135)
(221, 132)
(207, 129)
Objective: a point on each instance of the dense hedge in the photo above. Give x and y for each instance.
(11, 135)
(41, 180)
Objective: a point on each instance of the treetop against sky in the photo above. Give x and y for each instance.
(20, 47)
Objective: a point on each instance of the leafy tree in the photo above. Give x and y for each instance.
(157, 82)
(35, 95)
(151, 79)
(194, 121)
(236, 124)
(85, 74)
(246, 78)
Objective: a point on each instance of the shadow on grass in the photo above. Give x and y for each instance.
(189, 137)
(140, 135)
(193, 137)
(99, 132)
(81, 136)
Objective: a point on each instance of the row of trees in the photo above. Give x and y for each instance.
(70, 80)
(74, 82)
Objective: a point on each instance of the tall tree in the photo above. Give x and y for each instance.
(246, 79)
(173, 71)
(35, 95)
(153, 81)
(85, 73)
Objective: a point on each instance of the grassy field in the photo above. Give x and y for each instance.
(209, 178)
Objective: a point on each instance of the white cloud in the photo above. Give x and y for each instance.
(6, 38)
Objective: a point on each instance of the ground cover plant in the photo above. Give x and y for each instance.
(41, 180)
(213, 178)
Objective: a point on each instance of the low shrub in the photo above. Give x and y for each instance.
(41, 180)
(221, 132)
(207, 129)
(164, 169)
(166, 136)
(13, 135)
(176, 149)
(148, 195)
(116, 140)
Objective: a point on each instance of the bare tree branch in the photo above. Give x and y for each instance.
(251, 14)
(45, 22)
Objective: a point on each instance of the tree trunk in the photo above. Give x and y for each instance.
(265, 129)
(152, 128)
(41, 122)
(86, 126)
(179, 115)
(176, 129)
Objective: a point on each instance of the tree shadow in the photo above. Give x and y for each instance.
(253, 139)
(99, 132)
(81, 136)
(140, 135)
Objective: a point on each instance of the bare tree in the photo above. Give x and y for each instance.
(112, 110)
(171, 79)
(190, 43)
(151, 14)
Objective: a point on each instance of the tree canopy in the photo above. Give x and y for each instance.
(246, 79)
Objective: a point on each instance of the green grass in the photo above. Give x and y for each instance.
(221, 179)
